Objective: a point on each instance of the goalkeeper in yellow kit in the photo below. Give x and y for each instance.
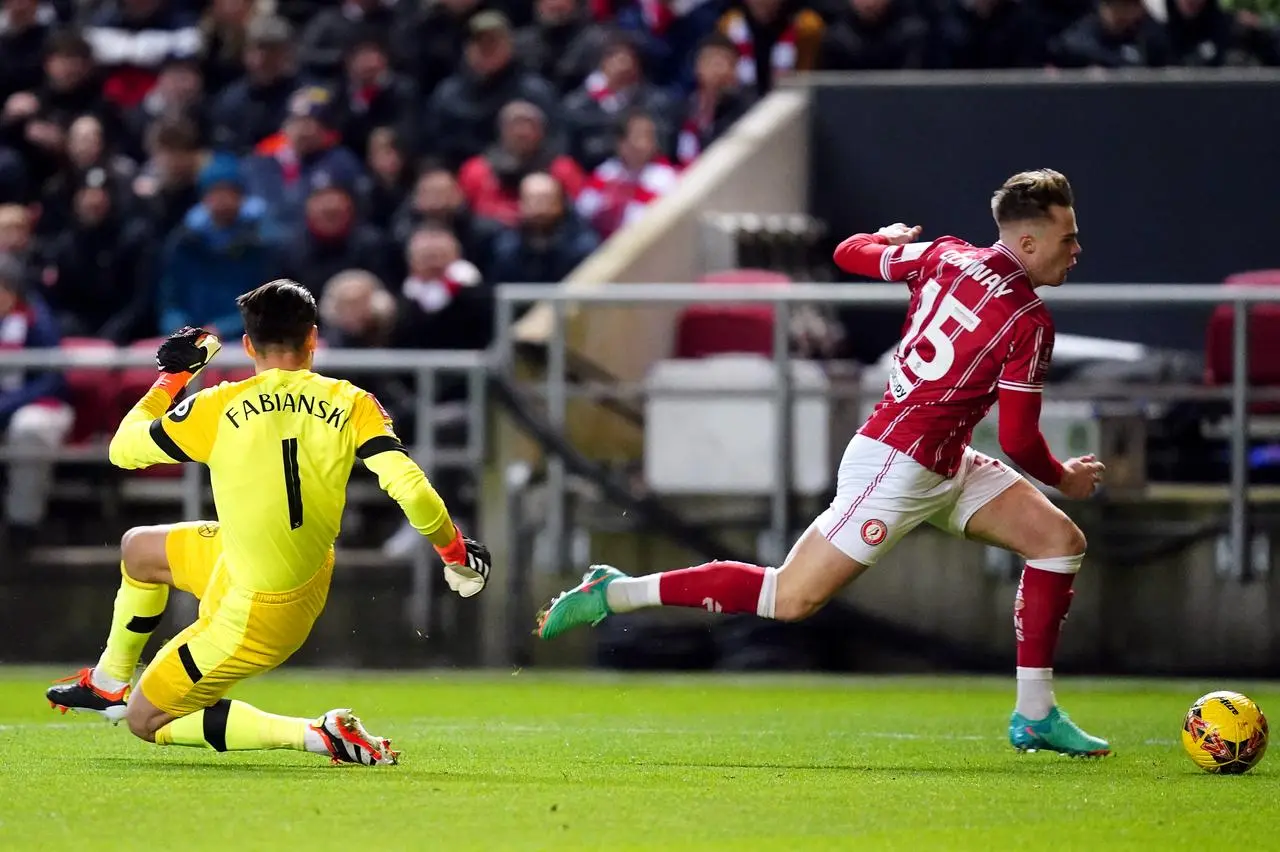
(280, 447)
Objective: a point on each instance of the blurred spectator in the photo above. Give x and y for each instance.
(87, 151)
(462, 116)
(437, 200)
(356, 311)
(224, 247)
(491, 183)
(36, 123)
(592, 112)
(562, 44)
(444, 304)
(131, 38)
(33, 409)
(17, 240)
(372, 95)
(621, 188)
(13, 178)
(24, 26)
(774, 38)
(332, 239)
(429, 40)
(1202, 33)
(225, 32)
(249, 111)
(670, 32)
(992, 34)
(178, 93)
(390, 178)
(166, 188)
(716, 103)
(97, 279)
(549, 242)
(1120, 34)
(875, 35)
(1057, 15)
(280, 172)
(326, 39)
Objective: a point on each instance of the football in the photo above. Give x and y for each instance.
(1225, 733)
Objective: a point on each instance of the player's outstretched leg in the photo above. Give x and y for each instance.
(1023, 520)
(236, 726)
(813, 572)
(139, 605)
(715, 586)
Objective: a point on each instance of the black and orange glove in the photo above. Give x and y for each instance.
(182, 356)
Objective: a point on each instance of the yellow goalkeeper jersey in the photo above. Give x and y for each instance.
(280, 448)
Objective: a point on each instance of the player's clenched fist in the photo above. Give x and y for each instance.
(466, 565)
(188, 350)
(1081, 477)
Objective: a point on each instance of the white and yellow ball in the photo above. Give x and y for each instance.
(1225, 733)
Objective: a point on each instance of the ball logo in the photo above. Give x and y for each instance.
(874, 532)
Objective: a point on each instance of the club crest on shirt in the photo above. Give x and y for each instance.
(874, 532)
(208, 530)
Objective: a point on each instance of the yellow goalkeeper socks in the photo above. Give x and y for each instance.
(235, 726)
(137, 613)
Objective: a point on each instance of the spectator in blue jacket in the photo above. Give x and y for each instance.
(34, 413)
(280, 172)
(225, 246)
(550, 241)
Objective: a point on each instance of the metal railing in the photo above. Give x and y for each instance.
(425, 366)
(784, 298)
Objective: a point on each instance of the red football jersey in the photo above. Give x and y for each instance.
(975, 326)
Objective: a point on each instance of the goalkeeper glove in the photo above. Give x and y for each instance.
(182, 356)
(466, 564)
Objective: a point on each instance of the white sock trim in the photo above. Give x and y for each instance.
(1025, 673)
(1058, 564)
(768, 593)
(627, 594)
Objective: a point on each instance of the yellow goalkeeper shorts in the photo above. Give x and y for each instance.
(239, 632)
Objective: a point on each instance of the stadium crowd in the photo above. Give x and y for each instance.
(402, 157)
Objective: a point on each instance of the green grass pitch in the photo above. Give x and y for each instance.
(524, 761)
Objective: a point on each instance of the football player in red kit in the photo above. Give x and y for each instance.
(976, 333)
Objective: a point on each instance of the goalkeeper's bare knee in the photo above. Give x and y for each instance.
(142, 551)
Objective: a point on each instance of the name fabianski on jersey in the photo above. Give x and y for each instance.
(266, 403)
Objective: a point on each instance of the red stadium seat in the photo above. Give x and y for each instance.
(1256, 276)
(92, 391)
(1264, 355)
(703, 330)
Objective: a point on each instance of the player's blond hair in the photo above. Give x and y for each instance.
(1029, 195)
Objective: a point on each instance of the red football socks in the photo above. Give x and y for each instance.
(1043, 598)
(714, 586)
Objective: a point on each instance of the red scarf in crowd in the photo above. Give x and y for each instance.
(782, 57)
(610, 101)
(698, 123)
(615, 196)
